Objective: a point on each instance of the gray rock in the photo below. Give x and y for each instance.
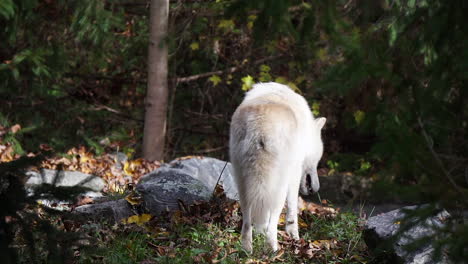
(65, 179)
(162, 190)
(111, 210)
(207, 170)
(383, 231)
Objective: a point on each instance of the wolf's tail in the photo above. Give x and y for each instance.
(261, 201)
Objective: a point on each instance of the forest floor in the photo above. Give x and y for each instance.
(206, 232)
(210, 233)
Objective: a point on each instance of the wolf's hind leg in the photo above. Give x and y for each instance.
(246, 230)
(272, 228)
(292, 199)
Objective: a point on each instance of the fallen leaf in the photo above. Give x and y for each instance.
(137, 219)
(15, 128)
(302, 223)
(134, 198)
(85, 200)
(278, 255)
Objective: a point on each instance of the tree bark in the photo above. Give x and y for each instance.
(157, 93)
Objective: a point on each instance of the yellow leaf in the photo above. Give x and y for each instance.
(133, 198)
(137, 162)
(247, 82)
(194, 46)
(316, 108)
(126, 167)
(83, 159)
(138, 219)
(215, 79)
(226, 24)
(251, 20)
(359, 116)
(130, 167)
(322, 243)
(265, 68)
(282, 219)
(322, 54)
(302, 223)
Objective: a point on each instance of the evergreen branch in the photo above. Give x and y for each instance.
(438, 160)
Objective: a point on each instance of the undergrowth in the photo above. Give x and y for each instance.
(183, 238)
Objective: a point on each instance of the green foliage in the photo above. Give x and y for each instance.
(129, 248)
(7, 9)
(47, 46)
(315, 108)
(226, 25)
(264, 73)
(345, 228)
(333, 165)
(98, 148)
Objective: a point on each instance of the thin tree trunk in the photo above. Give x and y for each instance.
(156, 97)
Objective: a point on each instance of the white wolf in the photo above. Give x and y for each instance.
(275, 146)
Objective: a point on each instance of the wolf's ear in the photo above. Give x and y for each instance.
(320, 122)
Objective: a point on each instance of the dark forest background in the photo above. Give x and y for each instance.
(389, 76)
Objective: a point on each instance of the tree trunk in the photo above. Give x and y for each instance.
(157, 93)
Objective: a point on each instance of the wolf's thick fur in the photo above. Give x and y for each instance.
(275, 145)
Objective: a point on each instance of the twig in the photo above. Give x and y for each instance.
(210, 150)
(107, 108)
(219, 178)
(115, 111)
(372, 211)
(228, 70)
(437, 159)
(319, 198)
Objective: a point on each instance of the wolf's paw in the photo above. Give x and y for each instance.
(292, 231)
(272, 240)
(275, 247)
(247, 245)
